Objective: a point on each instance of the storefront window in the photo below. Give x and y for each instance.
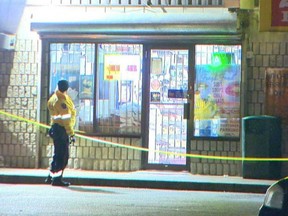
(217, 91)
(116, 92)
(107, 93)
(75, 63)
(119, 81)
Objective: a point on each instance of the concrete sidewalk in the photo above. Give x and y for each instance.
(141, 179)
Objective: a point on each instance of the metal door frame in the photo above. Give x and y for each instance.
(146, 103)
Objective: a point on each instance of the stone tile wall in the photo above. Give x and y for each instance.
(269, 50)
(19, 96)
(212, 166)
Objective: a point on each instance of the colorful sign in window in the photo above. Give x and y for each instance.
(217, 91)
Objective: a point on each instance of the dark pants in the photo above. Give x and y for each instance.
(61, 148)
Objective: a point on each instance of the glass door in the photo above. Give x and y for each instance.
(168, 87)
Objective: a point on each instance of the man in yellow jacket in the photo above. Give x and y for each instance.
(63, 117)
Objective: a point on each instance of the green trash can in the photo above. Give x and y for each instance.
(261, 138)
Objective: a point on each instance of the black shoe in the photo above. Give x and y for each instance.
(58, 182)
(48, 180)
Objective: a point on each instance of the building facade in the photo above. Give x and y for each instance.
(158, 91)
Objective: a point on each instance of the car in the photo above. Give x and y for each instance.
(276, 199)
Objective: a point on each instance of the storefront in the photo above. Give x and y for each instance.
(168, 80)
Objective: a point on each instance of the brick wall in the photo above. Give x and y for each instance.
(94, 155)
(18, 81)
(269, 49)
(215, 148)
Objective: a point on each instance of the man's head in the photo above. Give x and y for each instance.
(63, 85)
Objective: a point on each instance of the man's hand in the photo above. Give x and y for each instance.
(72, 139)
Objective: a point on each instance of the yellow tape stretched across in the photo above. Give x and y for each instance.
(23, 119)
(27, 120)
(147, 150)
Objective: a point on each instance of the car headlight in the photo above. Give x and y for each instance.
(274, 197)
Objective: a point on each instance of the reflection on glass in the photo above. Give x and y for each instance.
(117, 91)
(74, 62)
(119, 78)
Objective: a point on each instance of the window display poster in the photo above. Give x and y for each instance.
(124, 67)
(156, 66)
(86, 87)
(219, 92)
(217, 101)
(276, 100)
(155, 97)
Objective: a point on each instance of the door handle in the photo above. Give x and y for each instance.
(187, 111)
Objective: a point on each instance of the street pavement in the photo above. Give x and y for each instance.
(152, 179)
(78, 200)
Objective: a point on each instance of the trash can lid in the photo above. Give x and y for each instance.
(261, 117)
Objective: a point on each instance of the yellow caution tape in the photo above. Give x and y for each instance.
(182, 154)
(28, 120)
(147, 150)
(23, 119)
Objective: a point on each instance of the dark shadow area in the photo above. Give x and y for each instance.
(88, 189)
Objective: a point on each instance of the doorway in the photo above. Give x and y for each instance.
(168, 95)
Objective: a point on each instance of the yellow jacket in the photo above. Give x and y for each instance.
(62, 111)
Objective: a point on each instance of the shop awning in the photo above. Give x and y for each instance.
(213, 23)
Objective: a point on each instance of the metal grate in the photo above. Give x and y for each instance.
(167, 126)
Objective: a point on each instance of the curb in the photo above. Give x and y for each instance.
(151, 184)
